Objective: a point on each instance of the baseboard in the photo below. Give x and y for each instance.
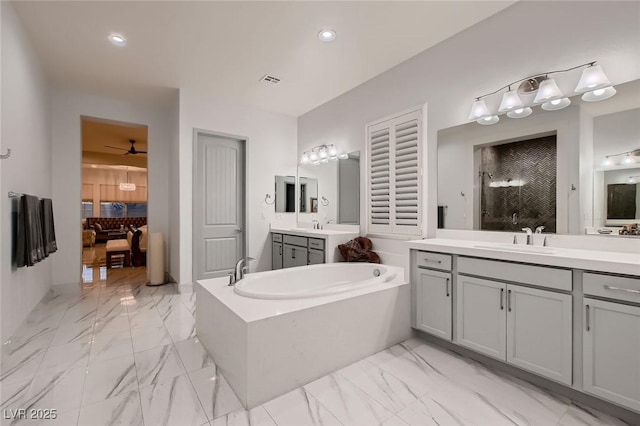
(573, 394)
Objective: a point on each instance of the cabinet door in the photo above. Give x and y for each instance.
(611, 352)
(539, 335)
(481, 322)
(316, 257)
(433, 303)
(294, 256)
(276, 256)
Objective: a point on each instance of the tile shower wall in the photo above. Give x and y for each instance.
(530, 167)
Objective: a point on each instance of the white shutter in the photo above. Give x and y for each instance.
(394, 167)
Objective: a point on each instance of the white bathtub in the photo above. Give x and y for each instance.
(280, 337)
(313, 281)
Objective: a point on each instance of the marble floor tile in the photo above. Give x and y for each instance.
(109, 346)
(579, 415)
(380, 385)
(255, 417)
(347, 402)
(173, 402)
(61, 390)
(181, 328)
(297, 408)
(111, 325)
(110, 378)
(76, 332)
(158, 365)
(111, 307)
(193, 355)
(388, 354)
(146, 338)
(13, 394)
(174, 312)
(409, 371)
(65, 357)
(140, 303)
(80, 312)
(123, 410)
(395, 421)
(214, 392)
(21, 356)
(428, 413)
(145, 317)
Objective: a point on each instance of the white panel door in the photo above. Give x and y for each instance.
(218, 200)
(433, 303)
(481, 322)
(611, 352)
(539, 332)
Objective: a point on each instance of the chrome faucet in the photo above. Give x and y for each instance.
(316, 224)
(529, 236)
(539, 229)
(240, 270)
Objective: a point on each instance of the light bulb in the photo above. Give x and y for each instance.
(486, 121)
(327, 35)
(323, 152)
(313, 156)
(547, 91)
(305, 158)
(607, 162)
(599, 94)
(478, 110)
(556, 104)
(520, 112)
(324, 160)
(117, 39)
(332, 151)
(510, 101)
(628, 159)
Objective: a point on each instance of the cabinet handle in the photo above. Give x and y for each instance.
(587, 318)
(293, 253)
(509, 300)
(427, 260)
(280, 248)
(447, 287)
(614, 288)
(502, 299)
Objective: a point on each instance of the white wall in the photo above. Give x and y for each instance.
(615, 133)
(503, 48)
(26, 130)
(271, 150)
(67, 107)
(174, 189)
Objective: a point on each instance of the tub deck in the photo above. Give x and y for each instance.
(266, 348)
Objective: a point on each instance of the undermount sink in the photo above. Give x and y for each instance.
(518, 248)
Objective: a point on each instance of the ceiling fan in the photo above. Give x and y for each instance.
(131, 150)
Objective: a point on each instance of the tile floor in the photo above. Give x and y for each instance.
(129, 355)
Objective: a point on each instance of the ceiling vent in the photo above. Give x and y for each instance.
(270, 79)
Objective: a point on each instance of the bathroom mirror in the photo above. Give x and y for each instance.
(541, 170)
(337, 184)
(285, 200)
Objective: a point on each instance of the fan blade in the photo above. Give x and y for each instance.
(115, 147)
(126, 153)
(141, 152)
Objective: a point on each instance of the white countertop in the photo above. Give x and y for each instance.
(590, 260)
(314, 233)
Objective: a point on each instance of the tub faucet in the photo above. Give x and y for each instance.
(529, 236)
(239, 271)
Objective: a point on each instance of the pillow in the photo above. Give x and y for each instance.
(97, 227)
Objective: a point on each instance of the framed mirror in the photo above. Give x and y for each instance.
(330, 192)
(285, 200)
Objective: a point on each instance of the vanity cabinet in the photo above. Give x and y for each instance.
(433, 302)
(316, 257)
(276, 252)
(526, 327)
(611, 339)
(294, 256)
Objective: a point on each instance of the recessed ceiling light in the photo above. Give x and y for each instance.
(117, 39)
(327, 35)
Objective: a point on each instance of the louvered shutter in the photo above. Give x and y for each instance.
(394, 161)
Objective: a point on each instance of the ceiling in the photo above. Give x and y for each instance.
(97, 134)
(223, 48)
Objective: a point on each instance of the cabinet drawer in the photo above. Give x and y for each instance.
(294, 240)
(433, 260)
(316, 243)
(542, 276)
(277, 238)
(621, 288)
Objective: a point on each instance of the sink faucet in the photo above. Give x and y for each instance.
(539, 229)
(239, 271)
(529, 236)
(316, 224)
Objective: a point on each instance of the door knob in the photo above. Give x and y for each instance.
(237, 230)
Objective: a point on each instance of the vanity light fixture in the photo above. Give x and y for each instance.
(628, 158)
(593, 83)
(321, 154)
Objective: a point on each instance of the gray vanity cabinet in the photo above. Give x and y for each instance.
(527, 327)
(294, 256)
(481, 322)
(316, 257)
(433, 298)
(276, 256)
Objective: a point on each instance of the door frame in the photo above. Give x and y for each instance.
(194, 152)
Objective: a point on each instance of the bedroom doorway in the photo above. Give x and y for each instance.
(113, 202)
